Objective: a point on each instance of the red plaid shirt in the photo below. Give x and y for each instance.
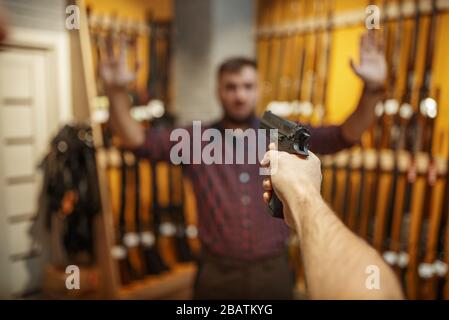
(233, 220)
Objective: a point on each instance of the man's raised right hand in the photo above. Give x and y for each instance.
(113, 68)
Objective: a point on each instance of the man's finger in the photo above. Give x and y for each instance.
(355, 68)
(110, 47)
(314, 157)
(267, 184)
(123, 51)
(266, 196)
(102, 50)
(267, 158)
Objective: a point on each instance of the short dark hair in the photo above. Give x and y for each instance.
(235, 64)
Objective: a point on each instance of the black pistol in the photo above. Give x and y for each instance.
(292, 138)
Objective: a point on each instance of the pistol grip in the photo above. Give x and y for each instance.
(276, 207)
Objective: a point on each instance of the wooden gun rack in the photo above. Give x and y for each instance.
(175, 284)
(353, 162)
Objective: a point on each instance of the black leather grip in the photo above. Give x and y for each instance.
(276, 207)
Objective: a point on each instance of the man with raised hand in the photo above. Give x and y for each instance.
(244, 252)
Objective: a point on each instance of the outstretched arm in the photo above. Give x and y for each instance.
(116, 77)
(337, 263)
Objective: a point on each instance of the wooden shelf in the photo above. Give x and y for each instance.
(175, 284)
(54, 284)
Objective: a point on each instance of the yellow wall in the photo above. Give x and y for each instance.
(135, 9)
(344, 87)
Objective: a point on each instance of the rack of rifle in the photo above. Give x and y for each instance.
(294, 59)
(395, 194)
(295, 40)
(393, 189)
(154, 238)
(152, 235)
(108, 32)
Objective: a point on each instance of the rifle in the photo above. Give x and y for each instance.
(372, 167)
(119, 251)
(159, 52)
(320, 108)
(414, 145)
(282, 38)
(334, 176)
(132, 36)
(382, 131)
(152, 82)
(307, 107)
(166, 70)
(302, 67)
(388, 37)
(361, 194)
(428, 112)
(440, 265)
(267, 79)
(356, 160)
(348, 188)
(397, 129)
(151, 259)
(162, 47)
(368, 222)
(326, 184)
(132, 236)
(95, 34)
(267, 86)
(99, 36)
(391, 105)
(281, 79)
(394, 211)
(176, 208)
(386, 163)
(301, 71)
(426, 270)
(322, 104)
(157, 215)
(293, 49)
(392, 131)
(276, 105)
(420, 223)
(429, 268)
(406, 100)
(263, 46)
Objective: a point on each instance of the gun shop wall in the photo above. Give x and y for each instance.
(133, 231)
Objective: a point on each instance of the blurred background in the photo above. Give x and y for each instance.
(52, 100)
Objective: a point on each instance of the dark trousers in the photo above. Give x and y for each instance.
(225, 278)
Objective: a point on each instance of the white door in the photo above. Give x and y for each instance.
(24, 100)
